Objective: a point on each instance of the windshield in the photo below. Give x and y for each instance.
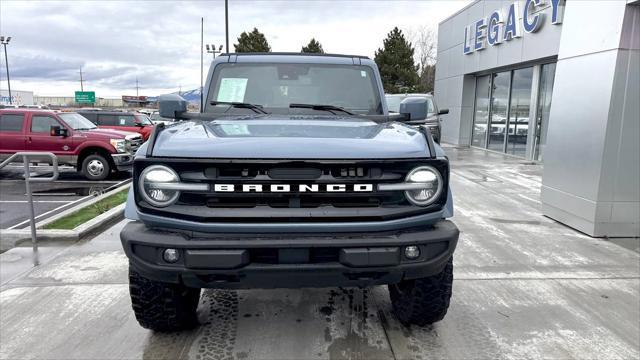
(393, 103)
(275, 86)
(144, 119)
(77, 121)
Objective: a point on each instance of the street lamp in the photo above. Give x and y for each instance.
(211, 49)
(4, 41)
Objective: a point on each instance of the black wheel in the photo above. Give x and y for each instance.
(423, 301)
(162, 306)
(96, 167)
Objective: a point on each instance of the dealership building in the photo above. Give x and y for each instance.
(553, 82)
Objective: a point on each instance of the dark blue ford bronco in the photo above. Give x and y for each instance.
(294, 174)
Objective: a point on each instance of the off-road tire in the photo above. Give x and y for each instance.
(423, 301)
(162, 306)
(90, 171)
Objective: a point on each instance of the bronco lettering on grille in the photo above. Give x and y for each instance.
(286, 188)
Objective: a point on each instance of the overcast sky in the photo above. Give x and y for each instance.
(159, 41)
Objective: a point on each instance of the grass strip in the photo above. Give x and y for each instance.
(85, 214)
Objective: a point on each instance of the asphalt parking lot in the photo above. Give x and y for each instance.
(70, 189)
(525, 287)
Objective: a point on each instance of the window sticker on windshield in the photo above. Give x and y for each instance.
(363, 73)
(123, 121)
(232, 90)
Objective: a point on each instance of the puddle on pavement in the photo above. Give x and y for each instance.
(94, 190)
(333, 323)
(514, 221)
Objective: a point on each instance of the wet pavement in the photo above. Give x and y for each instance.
(70, 189)
(525, 287)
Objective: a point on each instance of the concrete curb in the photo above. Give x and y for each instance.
(101, 221)
(45, 222)
(12, 238)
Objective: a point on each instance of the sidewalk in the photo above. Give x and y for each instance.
(525, 287)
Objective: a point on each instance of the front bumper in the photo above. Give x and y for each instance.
(234, 261)
(123, 162)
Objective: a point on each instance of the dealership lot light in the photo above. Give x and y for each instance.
(5, 41)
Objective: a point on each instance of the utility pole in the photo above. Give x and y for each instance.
(4, 42)
(137, 87)
(201, 62)
(81, 81)
(226, 23)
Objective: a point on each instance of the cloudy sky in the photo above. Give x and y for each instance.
(159, 41)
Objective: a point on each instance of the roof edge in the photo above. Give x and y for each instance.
(459, 11)
(296, 54)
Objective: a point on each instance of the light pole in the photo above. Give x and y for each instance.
(4, 41)
(226, 23)
(201, 63)
(211, 49)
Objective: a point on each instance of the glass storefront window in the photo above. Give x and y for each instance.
(547, 75)
(481, 117)
(519, 112)
(503, 108)
(499, 107)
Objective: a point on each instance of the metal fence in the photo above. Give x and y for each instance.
(26, 157)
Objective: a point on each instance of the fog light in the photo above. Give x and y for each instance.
(171, 255)
(412, 252)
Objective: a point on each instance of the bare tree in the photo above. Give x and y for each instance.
(424, 39)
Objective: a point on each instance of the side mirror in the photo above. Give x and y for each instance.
(172, 106)
(443, 111)
(59, 131)
(416, 107)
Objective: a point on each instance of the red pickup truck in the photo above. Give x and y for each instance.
(75, 140)
(120, 120)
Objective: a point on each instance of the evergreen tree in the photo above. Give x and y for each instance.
(395, 60)
(314, 46)
(253, 41)
(427, 78)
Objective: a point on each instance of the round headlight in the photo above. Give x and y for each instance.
(151, 188)
(432, 181)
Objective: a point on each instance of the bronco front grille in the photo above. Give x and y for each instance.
(294, 205)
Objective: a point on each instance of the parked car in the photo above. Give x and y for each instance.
(147, 112)
(120, 120)
(157, 119)
(75, 140)
(431, 119)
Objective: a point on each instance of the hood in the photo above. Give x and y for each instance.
(106, 133)
(291, 137)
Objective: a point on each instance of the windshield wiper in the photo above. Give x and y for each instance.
(329, 108)
(240, 105)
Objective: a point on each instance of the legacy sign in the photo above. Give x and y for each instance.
(508, 24)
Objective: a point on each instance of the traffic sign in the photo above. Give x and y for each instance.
(85, 97)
